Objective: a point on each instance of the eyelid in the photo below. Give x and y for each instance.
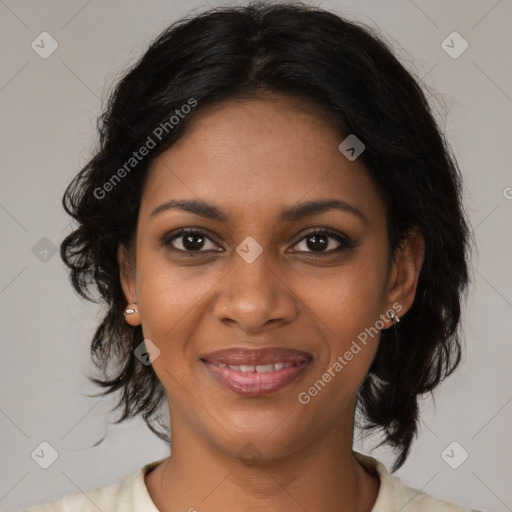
(318, 229)
(344, 241)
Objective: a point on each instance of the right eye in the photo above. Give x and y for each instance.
(189, 240)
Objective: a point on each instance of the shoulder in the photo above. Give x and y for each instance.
(129, 495)
(395, 495)
(99, 498)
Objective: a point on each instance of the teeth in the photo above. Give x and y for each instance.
(263, 368)
(260, 368)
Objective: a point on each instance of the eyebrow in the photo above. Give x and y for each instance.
(290, 214)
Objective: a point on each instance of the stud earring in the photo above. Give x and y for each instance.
(394, 317)
(131, 314)
(130, 310)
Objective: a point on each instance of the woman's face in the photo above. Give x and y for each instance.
(257, 270)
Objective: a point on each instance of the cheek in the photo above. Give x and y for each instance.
(170, 302)
(353, 296)
(349, 306)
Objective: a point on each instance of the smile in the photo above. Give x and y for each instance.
(255, 380)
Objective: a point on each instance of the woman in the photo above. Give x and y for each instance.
(274, 222)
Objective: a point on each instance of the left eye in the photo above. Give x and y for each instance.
(321, 242)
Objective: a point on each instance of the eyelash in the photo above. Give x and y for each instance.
(344, 241)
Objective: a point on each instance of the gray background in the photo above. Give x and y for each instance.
(48, 110)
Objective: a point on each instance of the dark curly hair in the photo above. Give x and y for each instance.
(351, 76)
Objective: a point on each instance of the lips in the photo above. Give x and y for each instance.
(256, 372)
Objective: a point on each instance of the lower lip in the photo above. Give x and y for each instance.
(254, 383)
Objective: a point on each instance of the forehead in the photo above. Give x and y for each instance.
(256, 155)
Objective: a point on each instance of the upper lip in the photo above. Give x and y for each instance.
(256, 356)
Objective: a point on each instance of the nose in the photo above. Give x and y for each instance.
(255, 297)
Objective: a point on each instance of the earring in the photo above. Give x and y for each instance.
(131, 314)
(394, 317)
(130, 310)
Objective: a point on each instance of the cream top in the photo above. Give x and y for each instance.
(131, 495)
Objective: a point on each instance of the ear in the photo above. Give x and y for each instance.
(405, 271)
(127, 277)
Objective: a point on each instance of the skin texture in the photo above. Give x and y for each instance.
(251, 159)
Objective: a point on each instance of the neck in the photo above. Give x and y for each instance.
(321, 475)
